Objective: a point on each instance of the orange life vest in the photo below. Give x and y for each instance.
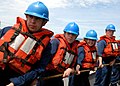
(90, 58)
(65, 55)
(118, 46)
(111, 48)
(20, 49)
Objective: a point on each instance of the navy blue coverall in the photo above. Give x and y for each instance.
(115, 77)
(82, 79)
(103, 75)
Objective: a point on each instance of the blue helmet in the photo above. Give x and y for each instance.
(110, 27)
(38, 9)
(91, 34)
(72, 27)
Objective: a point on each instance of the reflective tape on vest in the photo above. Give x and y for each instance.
(115, 46)
(94, 55)
(28, 45)
(17, 42)
(68, 58)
